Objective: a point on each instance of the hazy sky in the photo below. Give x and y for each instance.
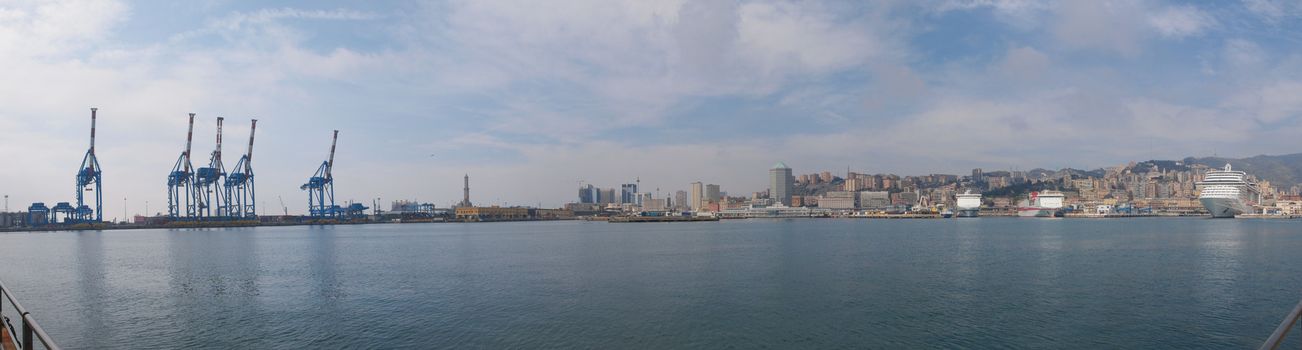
(532, 97)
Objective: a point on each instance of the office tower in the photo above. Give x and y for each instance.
(587, 194)
(698, 193)
(628, 193)
(712, 194)
(780, 184)
(680, 199)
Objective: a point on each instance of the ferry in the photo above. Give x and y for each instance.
(968, 203)
(1042, 204)
(1226, 193)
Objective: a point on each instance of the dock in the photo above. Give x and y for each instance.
(631, 219)
(1108, 216)
(897, 216)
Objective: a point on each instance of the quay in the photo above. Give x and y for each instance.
(895, 216)
(1266, 216)
(636, 219)
(1107, 216)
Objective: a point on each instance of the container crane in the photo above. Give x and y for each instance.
(239, 184)
(180, 182)
(320, 187)
(208, 182)
(88, 180)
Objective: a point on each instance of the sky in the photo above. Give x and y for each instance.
(533, 98)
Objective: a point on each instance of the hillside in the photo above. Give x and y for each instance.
(1281, 170)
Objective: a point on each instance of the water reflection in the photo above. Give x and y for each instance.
(91, 289)
(323, 267)
(214, 284)
(1220, 252)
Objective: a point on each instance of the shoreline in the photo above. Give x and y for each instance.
(115, 227)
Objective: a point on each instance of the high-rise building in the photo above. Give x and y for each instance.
(780, 183)
(712, 193)
(978, 175)
(588, 194)
(698, 193)
(680, 200)
(607, 196)
(628, 193)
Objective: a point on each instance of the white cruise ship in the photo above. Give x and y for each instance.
(1226, 193)
(968, 203)
(1042, 204)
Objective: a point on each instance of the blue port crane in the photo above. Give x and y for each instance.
(208, 181)
(239, 184)
(180, 182)
(88, 180)
(321, 189)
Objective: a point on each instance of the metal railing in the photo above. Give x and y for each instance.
(29, 327)
(1277, 338)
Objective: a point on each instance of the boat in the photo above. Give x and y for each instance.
(947, 213)
(1042, 204)
(1226, 193)
(968, 203)
(776, 211)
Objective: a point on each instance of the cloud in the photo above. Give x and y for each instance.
(1024, 64)
(1274, 11)
(1109, 26)
(1181, 21)
(1023, 14)
(1241, 53)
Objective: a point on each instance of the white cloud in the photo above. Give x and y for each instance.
(1274, 11)
(1270, 103)
(1181, 21)
(1241, 53)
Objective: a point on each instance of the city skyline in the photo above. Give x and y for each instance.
(605, 92)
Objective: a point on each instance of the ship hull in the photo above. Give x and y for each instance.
(1224, 207)
(969, 213)
(1037, 212)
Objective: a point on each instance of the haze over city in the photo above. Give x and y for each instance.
(531, 98)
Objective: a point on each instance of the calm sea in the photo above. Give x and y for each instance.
(981, 283)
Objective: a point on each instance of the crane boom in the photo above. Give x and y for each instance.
(92, 129)
(330, 165)
(218, 153)
(249, 157)
(189, 134)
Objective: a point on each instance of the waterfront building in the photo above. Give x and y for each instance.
(491, 213)
(874, 199)
(712, 194)
(780, 184)
(698, 193)
(838, 200)
(656, 204)
(680, 200)
(904, 198)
